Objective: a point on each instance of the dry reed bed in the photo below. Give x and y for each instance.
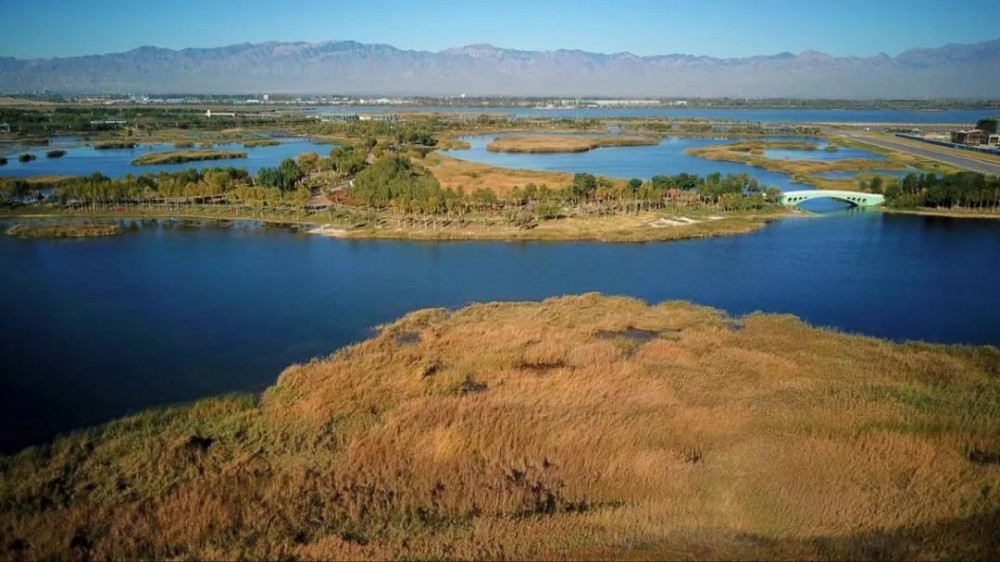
(806, 171)
(579, 427)
(615, 229)
(176, 157)
(467, 177)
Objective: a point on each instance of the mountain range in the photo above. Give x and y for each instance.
(352, 68)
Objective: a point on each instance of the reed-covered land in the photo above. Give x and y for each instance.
(176, 157)
(581, 427)
(63, 230)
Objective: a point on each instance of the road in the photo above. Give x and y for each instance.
(957, 159)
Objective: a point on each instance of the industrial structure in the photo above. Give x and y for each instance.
(987, 132)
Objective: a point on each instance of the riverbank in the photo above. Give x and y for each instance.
(365, 225)
(642, 227)
(549, 144)
(579, 427)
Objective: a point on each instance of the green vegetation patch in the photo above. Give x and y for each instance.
(110, 145)
(260, 142)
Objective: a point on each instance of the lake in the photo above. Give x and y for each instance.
(166, 312)
(115, 163)
(966, 116)
(627, 162)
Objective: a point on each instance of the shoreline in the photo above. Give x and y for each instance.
(626, 229)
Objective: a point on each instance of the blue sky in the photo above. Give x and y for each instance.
(722, 28)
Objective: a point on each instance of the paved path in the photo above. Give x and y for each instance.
(957, 159)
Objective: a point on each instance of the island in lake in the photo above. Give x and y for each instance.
(177, 157)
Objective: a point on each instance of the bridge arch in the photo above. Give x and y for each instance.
(855, 198)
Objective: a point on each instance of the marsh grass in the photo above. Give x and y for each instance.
(114, 144)
(177, 156)
(456, 174)
(260, 142)
(582, 427)
(63, 230)
(808, 171)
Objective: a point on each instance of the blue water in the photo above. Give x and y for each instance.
(967, 116)
(821, 155)
(115, 163)
(625, 162)
(99, 328)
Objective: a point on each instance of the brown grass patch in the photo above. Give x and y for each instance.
(467, 177)
(176, 157)
(592, 427)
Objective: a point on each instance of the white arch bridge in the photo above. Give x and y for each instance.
(856, 198)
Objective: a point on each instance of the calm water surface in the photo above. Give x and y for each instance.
(115, 163)
(96, 329)
(626, 162)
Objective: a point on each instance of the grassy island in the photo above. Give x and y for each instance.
(583, 427)
(563, 143)
(58, 153)
(63, 230)
(259, 142)
(176, 157)
(110, 145)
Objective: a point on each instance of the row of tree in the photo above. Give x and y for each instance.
(969, 190)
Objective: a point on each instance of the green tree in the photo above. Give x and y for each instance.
(584, 185)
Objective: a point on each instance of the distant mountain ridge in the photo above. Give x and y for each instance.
(352, 68)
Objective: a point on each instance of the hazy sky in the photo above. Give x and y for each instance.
(722, 28)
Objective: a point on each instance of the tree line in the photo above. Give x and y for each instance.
(968, 190)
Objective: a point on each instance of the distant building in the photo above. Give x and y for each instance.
(209, 114)
(377, 117)
(339, 117)
(970, 137)
(989, 125)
